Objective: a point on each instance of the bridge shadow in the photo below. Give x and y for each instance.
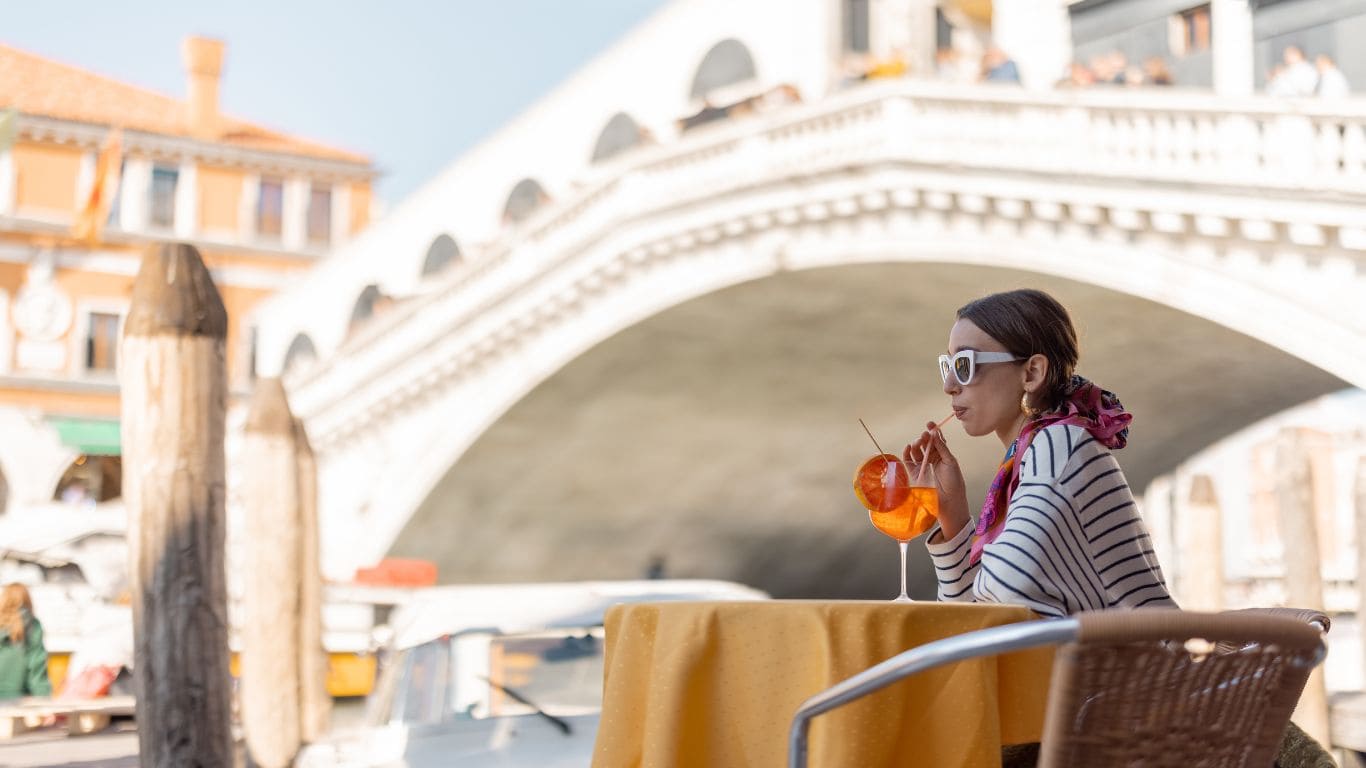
(721, 435)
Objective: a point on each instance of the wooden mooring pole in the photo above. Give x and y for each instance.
(315, 703)
(1203, 548)
(1303, 572)
(272, 575)
(1360, 489)
(174, 393)
(284, 667)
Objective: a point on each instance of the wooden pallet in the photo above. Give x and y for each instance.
(82, 716)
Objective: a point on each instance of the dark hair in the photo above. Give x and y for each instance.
(1029, 322)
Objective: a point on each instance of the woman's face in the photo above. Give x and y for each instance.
(990, 403)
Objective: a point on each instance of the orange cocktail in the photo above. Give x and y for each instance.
(911, 518)
(899, 504)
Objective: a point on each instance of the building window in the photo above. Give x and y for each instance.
(270, 207)
(116, 202)
(1191, 31)
(320, 215)
(943, 30)
(164, 180)
(856, 26)
(251, 353)
(102, 341)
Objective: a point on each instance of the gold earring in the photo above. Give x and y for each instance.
(1024, 404)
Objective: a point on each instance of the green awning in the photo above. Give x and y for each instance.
(93, 437)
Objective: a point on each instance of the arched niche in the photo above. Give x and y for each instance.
(364, 308)
(526, 196)
(442, 253)
(301, 353)
(620, 134)
(727, 63)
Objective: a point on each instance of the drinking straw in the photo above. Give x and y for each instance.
(870, 437)
(925, 452)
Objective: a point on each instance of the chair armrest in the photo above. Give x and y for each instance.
(983, 642)
(1316, 619)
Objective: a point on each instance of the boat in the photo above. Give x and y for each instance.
(496, 675)
(74, 563)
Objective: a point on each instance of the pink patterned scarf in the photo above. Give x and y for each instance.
(1086, 405)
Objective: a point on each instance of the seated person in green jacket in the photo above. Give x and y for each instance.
(23, 659)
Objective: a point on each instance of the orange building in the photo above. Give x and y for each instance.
(261, 206)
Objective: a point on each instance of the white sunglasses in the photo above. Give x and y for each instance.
(963, 366)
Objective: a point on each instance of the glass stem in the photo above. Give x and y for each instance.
(903, 595)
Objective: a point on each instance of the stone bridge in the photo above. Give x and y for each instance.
(669, 363)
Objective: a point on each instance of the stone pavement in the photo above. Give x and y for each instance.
(115, 747)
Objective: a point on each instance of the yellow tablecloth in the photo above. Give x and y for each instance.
(715, 685)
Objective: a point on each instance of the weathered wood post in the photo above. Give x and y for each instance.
(316, 704)
(270, 684)
(1303, 574)
(174, 393)
(1361, 550)
(1203, 555)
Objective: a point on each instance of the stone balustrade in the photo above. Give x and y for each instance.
(1267, 191)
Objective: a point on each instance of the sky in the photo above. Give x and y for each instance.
(412, 84)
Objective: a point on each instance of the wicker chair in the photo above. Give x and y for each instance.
(1150, 687)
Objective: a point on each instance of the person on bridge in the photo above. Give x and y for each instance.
(23, 659)
(1059, 531)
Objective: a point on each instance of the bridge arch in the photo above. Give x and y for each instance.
(1270, 275)
(1267, 379)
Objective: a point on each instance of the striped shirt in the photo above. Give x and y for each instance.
(1072, 541)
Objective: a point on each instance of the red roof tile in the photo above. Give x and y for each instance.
(38, 86)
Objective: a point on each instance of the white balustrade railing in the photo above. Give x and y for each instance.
(1192, 139)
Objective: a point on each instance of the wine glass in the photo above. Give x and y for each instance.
(900, 503)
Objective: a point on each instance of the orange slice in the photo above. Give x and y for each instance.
(882, 484)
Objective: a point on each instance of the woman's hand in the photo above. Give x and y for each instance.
(953, 493)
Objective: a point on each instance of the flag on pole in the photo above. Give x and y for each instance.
(90, 220)
(9, 127)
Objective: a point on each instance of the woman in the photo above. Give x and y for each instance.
(1059, 531)
(23, 659)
